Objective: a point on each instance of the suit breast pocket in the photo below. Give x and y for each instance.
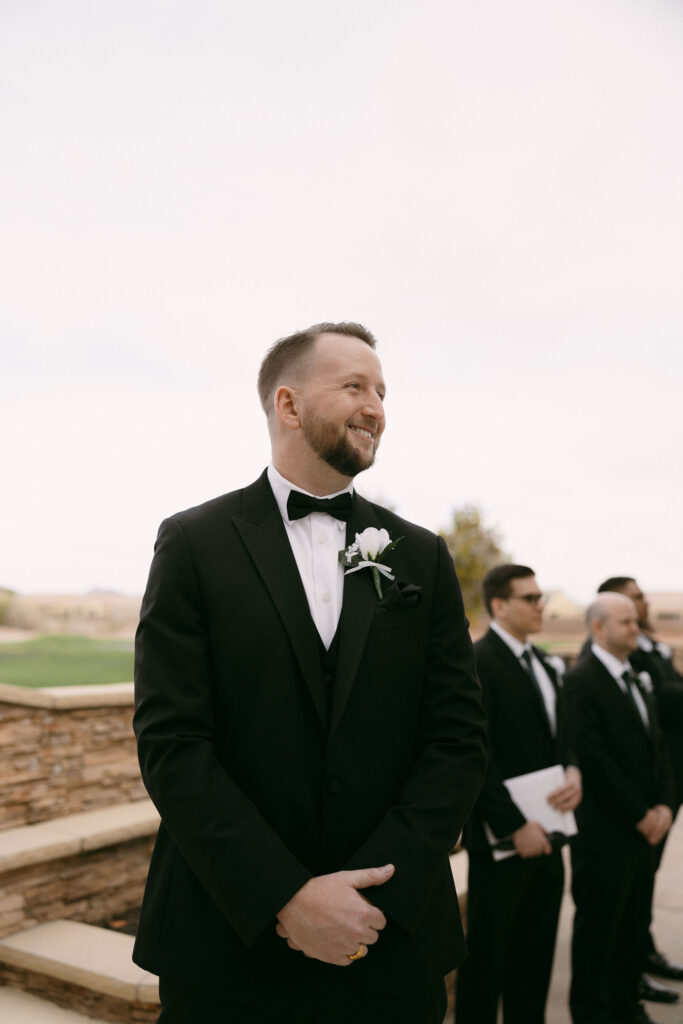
(405, 619)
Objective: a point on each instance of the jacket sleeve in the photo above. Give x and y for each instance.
(495, 806)
(216, 828)
(430, 810)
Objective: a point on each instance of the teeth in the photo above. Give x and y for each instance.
(360, 430)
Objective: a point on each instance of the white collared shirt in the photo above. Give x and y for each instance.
(645, 644)
(616, 669)
(648, 645)
(316, 541)
(545, 685)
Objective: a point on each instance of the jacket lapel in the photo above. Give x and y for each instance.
(358, 608)
(624, 700)
(513, 665)
(265, 538)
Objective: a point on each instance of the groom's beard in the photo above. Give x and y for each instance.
(336, 449)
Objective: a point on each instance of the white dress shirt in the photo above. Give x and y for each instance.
(647, 645)
(316, 541)
(616, 669)
(544, 683)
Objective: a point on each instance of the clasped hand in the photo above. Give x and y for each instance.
(328, 919)
(655, 824)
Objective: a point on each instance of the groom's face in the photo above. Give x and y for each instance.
(341, 410)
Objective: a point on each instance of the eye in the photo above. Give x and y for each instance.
(353, 385)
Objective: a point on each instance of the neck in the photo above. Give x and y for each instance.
(522, 637)
(618, 653)
(319, 478)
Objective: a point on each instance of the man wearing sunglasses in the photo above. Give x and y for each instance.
(514, 904)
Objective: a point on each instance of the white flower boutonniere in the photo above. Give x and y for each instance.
(365, 553)
(646, 682)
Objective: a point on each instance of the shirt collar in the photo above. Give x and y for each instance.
(281, 488)
(516, 646)
(645, 643)
(614, 666)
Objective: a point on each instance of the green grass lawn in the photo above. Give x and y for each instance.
(62, 660)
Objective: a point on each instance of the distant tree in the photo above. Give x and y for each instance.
(475, 548)
(6, 598)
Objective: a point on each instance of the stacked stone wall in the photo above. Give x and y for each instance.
(90, 887)
(81, 1000)
(62, 761)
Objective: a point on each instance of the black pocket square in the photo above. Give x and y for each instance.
(401, 595)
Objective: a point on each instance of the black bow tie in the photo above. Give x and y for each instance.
(300, 505)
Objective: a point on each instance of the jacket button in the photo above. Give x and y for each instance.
(335, 787)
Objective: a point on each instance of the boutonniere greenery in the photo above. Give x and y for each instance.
(365, 553)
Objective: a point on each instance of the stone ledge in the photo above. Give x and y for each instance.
(17, 1007)
(62, 698)
(84, 955)
(76, 833)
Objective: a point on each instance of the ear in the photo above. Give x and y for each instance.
(285, 404)
(497, 607)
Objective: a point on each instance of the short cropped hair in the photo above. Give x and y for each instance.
(597, 610)
(615, 584)
(496, 582)
(288, 354)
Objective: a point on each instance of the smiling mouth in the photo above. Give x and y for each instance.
(363, 432)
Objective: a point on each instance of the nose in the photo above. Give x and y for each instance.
(373, 407)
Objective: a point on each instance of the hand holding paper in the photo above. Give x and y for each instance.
(533, 793)
(568, 796)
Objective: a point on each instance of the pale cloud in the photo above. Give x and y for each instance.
(493, 188)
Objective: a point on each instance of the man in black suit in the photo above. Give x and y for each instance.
(310, 731)
(513, 905)
(655, 658)
(625, 814)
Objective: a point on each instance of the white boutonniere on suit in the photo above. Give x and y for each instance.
(365, 553)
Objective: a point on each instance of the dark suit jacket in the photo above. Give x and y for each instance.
(668, 692)
(625, 768)
(519, 735)
(260, 785)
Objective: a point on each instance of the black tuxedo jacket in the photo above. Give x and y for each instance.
(625, 767)
(260, 784)
(668, 689)
(520, 737)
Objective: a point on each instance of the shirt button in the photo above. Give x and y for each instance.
(322, 540)
(325, 598)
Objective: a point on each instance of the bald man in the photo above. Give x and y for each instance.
(625, 814)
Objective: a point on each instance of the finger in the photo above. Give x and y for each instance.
(375, 919)
(282, 932)
(363, 878)
(292, 945)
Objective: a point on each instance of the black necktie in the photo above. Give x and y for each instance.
(632, 686)
(300, 505)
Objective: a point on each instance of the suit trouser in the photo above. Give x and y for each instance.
(182, 1004)
(612, 887)
(513, 907)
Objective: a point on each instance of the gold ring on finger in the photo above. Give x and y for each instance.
(359, 954)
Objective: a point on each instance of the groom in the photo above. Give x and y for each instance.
(314, 749)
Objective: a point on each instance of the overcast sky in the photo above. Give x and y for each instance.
(495, 189)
